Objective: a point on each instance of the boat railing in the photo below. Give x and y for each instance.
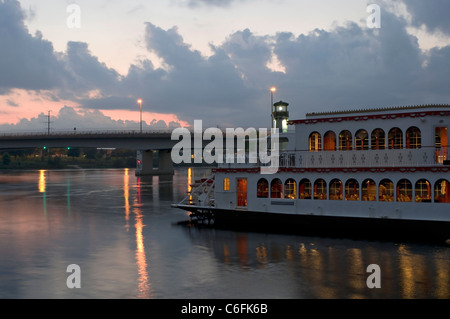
(424, 156)
(442, 155)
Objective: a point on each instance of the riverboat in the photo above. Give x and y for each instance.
(377, 173)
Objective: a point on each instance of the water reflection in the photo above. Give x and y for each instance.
(42, 189)
(119, 229)
(334, 268)
(126, 196)
(144, 290)
(144, 287)
(42, 181)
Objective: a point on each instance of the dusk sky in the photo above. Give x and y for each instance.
(214, 60)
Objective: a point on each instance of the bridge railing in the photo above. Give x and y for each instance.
(89, 132)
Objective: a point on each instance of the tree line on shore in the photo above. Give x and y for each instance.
(60, 158)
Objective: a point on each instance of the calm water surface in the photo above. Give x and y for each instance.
(122, 232)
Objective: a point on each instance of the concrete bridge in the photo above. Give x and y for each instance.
(145, 143)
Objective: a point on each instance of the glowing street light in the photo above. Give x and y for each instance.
(140, 109)
(272, 90)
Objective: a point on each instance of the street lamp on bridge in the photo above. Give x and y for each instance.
(140, 110)
(272, 90)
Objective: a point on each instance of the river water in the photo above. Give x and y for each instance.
(122, 234)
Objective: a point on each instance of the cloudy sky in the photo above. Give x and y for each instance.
(88, 61)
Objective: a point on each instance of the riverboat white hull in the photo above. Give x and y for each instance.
(378, 173)
(310, 224)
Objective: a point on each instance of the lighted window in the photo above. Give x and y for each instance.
(320, 189)
(226, 184)
(315, 142)
(386, 191)
(404, 191)
(276, 189)
(441, 137)
(361, 140)
(290, 189)
(441, 144)
(335, 189)
(242, 192)
(304, 189)
(395, 138)
(329, 141)
(413, 138)
(263, 188)
(422, 191)
(352, 190)
(378, 139)
(369, 190)
(345, 141)
(442, 191)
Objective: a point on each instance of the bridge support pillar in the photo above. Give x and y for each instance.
(165, 163)
(146, 164)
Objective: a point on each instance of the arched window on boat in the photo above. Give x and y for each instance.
(413, 138)
(361, 140)
(378, 138)
(226, 184)
(336, 189)
(262, 188)
(345, 141)
(329, 141)
(386, 191)
(304, 189)
(404, 191)
(276, 188)
(422, 191)
(441, 144)
(395, 138)
(442, 191)
(320, 189)
(352, 189)
(369, 190)
(315, 142)
(290, 189)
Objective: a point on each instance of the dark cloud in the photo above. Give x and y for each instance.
(434, 14)
(26, 61)
(349, 66)
(437, 76)
(193, 85)
(87, 71)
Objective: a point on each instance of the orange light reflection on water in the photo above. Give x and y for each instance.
(42, 181)
(126, 195)
(144, 287)
(42, 189)
(190, 182)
